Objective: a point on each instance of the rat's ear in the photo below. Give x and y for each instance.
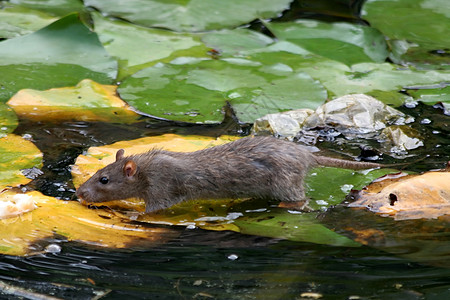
(130, 168)
(119, 154)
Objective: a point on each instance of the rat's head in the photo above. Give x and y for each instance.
(116, 181)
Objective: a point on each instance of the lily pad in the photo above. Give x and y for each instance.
(236, 42)
(16, 20)
(55, 7)
(407, 197)
(195, 91)
(194, 15)
(17, 154)
(432, 95)
(291, 226)
(334, 40)
(137, 47)
(87, 101)
(370, 77)
(60, 54)
(425, 22)
(8, 120)
(72, 221)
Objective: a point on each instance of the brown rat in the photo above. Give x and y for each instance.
(258, 167)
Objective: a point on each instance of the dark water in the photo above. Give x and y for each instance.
(200, 264)
(197, 266)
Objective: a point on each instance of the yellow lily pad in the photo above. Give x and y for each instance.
(202, 213)
(87, 101)
(407, 197)
(74, 222)
(17, 154)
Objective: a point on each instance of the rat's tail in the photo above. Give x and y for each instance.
(345, 164)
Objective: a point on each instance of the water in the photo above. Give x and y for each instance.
(200, 264)
(196, 265)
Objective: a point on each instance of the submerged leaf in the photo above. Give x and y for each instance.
(60, 54)
(17, 154)
(87, 101)
(292, 226)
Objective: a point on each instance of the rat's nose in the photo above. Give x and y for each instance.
(81, 194)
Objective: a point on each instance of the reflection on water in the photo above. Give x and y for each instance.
(198, 265)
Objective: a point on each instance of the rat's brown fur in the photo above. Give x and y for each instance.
(259, 167)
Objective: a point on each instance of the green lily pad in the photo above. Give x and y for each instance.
(339, 182)
(340, 79)
(334, 40)
(60, 54)
(137, 47)
(55, 7)
(403, 53)
(8, 120)
(431, 95)
(292, 226)
(17, 154)
(194, 15)
(425, 22)
(16, 20)
(194, 90)
(236, 42)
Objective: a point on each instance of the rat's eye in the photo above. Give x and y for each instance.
(104, 180)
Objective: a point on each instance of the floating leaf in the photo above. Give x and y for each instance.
(370, 77)
(194, 15)
(407, 197)
(432, 95)
(138, 47)
(17, 154)
(334, 40)
(56, 7)
(71, 220)
(17, 20)
(329, 186)
(236, 42)
(425, 22)
(87, 101)
(8, 120)
(60, 54)
(196, 90)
